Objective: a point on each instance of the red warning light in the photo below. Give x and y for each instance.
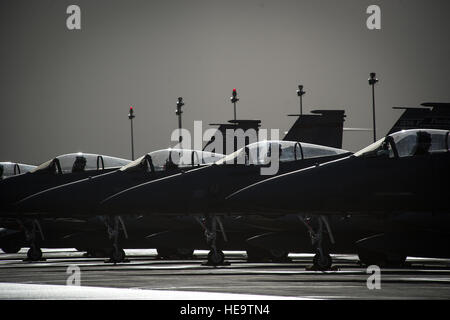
(131, 114)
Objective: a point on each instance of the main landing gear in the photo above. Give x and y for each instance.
(114, 226)
(322, 261)
(31, 229)
(216, 256)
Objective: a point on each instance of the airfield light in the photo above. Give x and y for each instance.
(131, 116)
(300, 94)
(233, 100)
(178, 112)
(372, 81)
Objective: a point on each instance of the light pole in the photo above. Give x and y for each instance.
(233, 100)
(372, 81)
(178, 112)
(131, 117)
(300, 93)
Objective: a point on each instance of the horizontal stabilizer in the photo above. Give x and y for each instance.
(358, 129)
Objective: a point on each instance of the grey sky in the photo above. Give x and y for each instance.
(63, 91)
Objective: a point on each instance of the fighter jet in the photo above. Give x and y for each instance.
(402, 177)
(359, 234)
(59, 170)
(201, 192)
(81, 198)
(8, 169)
(84, 196)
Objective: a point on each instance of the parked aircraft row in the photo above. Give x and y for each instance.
(386, 201)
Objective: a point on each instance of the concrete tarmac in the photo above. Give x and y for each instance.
(151, 278)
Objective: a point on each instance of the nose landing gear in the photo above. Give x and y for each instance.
(35, 252)
(322, 261)
(216, 256)
(114, 225)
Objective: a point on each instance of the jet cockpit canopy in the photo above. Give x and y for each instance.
(260, 153)
(11, 169)
(408, 143)
(167, 159)
(79, 162)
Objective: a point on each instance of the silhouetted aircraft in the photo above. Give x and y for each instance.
(201, 192)
(321, 127)
(74, 198)
(81, 198)
(402, 177)
(357, 233)
(57, 171)
(297, 130)
(8, 169)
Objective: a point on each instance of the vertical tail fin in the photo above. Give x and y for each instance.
(324, 127)
(227, 131)
(432, 115)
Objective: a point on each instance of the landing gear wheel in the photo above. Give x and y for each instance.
(216, 257)
(11, 249)
(34, 254)
(322, 261)
(117, 255)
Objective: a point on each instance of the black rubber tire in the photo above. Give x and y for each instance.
(117, 255)
(34, 254)
(322, 262)
(216, 258)
(11, 249)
